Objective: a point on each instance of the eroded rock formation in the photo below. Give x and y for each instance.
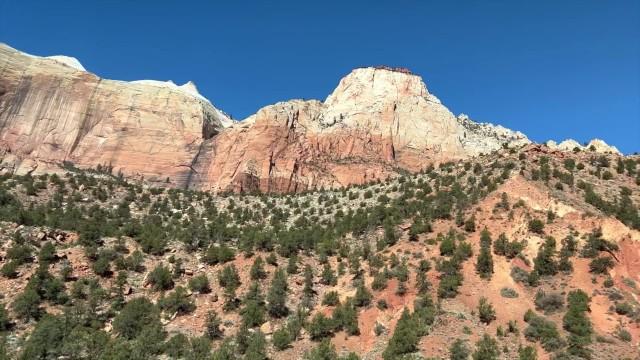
(595, 145)
(52, 111)
(378, 122)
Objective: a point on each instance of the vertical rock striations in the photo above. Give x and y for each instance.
(52, 111)
(378, 122)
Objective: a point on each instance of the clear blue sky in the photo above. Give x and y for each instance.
(552, 69)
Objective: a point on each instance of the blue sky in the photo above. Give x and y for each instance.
(552, 69)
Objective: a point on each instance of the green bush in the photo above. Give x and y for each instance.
(459, 350)
(542, 330)
(484, 264)
(527, 353)
(405, 338)
(200, 283)
(486, 349)
(161, 278)
(281, 339)
(177, 302)
(508, 293)
(320, 327)
(102, 266)
(331, 298)
(218, 254)
(363, 296)
(136, 316)
(257, 271)
(212, 326)
(345, 317)
(277, 295)
(177, 346)
(26, 306)
(10, 269)
(624, 308)
(601, 265)
(623, 334)
(536, 226)
(47, 253)
(5, 322)
(548, 303)
(485, 311)
(545, 263)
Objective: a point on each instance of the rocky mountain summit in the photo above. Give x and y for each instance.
(378, 122)
(596, 145)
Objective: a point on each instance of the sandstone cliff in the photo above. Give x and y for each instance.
(378, 122)
(52, 111)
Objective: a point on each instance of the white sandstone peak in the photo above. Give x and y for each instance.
(601, 146)
(378, 82)
(596, 145)
(187, 88)
(69, 61)
(61, 59)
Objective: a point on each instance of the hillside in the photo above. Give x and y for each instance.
(518, 253)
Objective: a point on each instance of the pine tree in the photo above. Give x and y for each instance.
(308, 281)
(447, 246)
(405, 338)
(363, 295)
(212, 326)
(256, 347)
(577, 323)
(484, 265)
(230, 281)
(328, 277)
(253, 310)
(545, 263)
(277, 296)
(257, 271)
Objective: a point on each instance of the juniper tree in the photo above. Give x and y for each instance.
(253, 309)
(405, 338)
(277, 295)
(484, 264)
(545, 263)
(257, 271)
(212, 326)
(229, 279)
(328, 277)
(486, 349)
(485, 311)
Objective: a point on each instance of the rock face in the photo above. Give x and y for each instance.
(378, 122)
(595, 145)
(52, 111)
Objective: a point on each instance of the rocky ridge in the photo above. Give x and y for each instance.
(595, 145)
(377, 123)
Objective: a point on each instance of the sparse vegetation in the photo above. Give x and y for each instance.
(279, 262)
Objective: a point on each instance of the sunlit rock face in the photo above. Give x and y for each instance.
(595, 145)
(378, 122)
(52, 111)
